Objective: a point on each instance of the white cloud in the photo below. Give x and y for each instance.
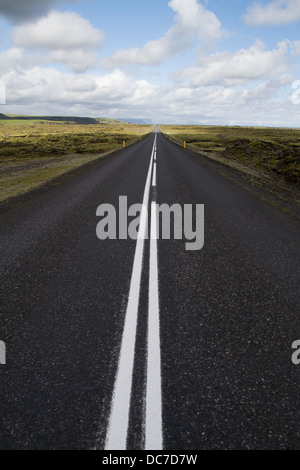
(295, 46)
(192, 16)
(33, 84)
(58, 31)
(192, 20)
(40, 90)
(247, 86)
(275, 12)
(59, 37)
(238, 68)
(78, 60)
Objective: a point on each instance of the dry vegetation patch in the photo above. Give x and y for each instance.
(34, 151)
(270, 149)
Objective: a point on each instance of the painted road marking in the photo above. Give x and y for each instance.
(119, 416)
(153, 425)
(154, 175)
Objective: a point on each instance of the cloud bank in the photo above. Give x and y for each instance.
(66, 37)
(276, 12)
(192, 20)
(51, 68)
(58, 30)
(239, 68)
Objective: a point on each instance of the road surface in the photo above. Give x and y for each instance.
(114, 344)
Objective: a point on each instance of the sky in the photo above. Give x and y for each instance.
(215, 62)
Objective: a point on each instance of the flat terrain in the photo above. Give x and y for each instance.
(274, 150)
(228, 313)
(34, 151)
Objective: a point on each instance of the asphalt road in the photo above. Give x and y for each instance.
(207, 351)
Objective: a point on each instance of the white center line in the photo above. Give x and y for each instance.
(154, 175)
(153, 427)
(116, 438)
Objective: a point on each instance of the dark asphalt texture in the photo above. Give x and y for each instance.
(229, 313)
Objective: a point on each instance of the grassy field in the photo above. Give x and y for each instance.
(34, 151)
(270, 149)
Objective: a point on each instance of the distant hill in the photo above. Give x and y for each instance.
(138, 121)
(124, 121)
(103, 120)
(72, 119)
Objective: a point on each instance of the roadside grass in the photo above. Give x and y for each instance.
(274, 150)
(33, 152)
